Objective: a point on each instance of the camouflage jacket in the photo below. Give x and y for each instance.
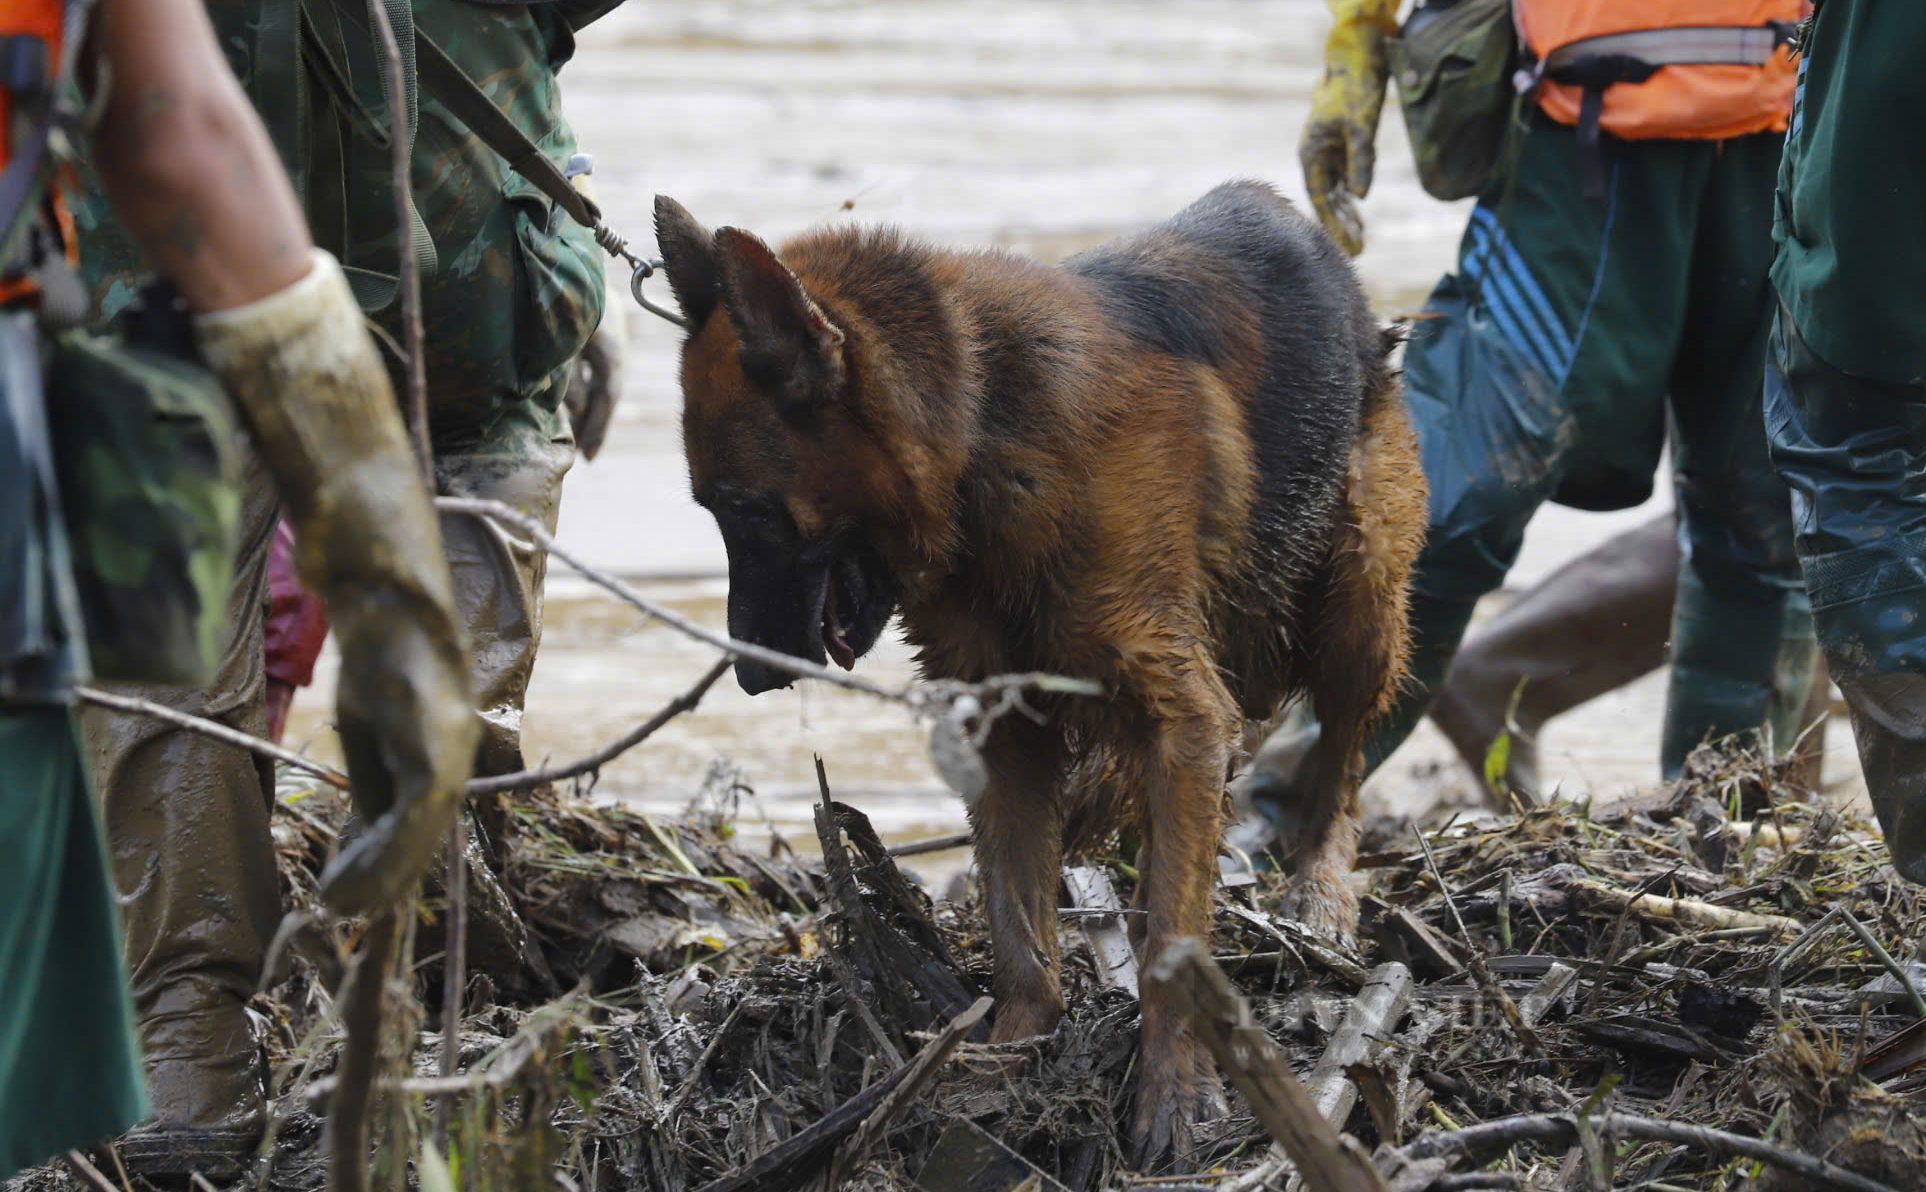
(511, 286)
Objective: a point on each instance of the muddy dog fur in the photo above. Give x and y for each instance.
(1178, 464)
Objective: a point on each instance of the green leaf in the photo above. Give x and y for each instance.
(581, 1080)
(432, 1170)
(1497, 761)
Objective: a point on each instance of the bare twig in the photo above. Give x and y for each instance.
(918, 695)
(701, 1065)
(1811, 935)
(685, 702)
(1556, 1130)
(1444, 888)
(400, 147)
(211, 728)
(454, 965)
(1303, 943)
(933, 844)
(926, 1064)
(89, 1174)
(921, 697)
(353, 1098)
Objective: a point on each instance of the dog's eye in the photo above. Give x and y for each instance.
(767, 520)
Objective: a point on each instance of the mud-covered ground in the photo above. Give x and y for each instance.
(1042, 125)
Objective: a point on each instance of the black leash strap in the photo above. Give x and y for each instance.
(450, 85)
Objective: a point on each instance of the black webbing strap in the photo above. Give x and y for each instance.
(1594, 73)
(1593, 64)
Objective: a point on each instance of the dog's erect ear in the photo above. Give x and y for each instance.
(789, 346)
(689, 257)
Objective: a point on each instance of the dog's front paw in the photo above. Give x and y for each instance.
(1025, 1018)
(1175, 1093)
(1323, 903)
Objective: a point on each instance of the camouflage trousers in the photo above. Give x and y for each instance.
(187, 816)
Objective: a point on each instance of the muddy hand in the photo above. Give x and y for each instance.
(1337, 149)
(301, 367)
(409, 735)
(597, 384)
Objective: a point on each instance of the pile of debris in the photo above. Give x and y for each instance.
(1685, 990)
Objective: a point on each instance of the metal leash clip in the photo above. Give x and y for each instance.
(614, 245)
(643, 271)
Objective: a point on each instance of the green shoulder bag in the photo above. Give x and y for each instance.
(1453, 61)
(147, 461)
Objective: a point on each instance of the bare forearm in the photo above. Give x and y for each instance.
(185, 161)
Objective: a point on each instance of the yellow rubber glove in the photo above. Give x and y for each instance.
(307, 377)
(1337, 149)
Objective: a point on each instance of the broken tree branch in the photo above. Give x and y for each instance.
(1373, 1012)
(1109, 943)
(1330, 1162)
(794, 1161)
(1557, 1130)
(1685, 912)
(926, 1064)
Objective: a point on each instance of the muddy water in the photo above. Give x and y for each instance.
(1041, 125)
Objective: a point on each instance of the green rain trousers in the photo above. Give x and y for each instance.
(1845, 393)
(70, 1070)
(1573, 334)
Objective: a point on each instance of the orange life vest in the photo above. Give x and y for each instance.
(32, 36)
(1746, 86)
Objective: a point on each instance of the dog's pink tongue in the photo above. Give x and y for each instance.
(839, 650)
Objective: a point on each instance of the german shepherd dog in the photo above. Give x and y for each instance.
(1178, 464)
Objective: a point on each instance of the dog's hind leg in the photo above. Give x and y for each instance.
(1019, 825)
(1360, 648)
(1177, 764)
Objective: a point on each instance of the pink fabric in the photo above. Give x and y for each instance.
(297, 624)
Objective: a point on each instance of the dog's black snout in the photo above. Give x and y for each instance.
(756, 677)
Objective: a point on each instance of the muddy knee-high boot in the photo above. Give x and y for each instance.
(1889, 726)
(498, 577)
(1594, 625)
(187, 828)
(1851, 449)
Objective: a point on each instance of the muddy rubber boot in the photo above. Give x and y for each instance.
(1726, 681)
(1594, 625)
(187, 829)
(498, 575)
(1889, 725)
(498, 578)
